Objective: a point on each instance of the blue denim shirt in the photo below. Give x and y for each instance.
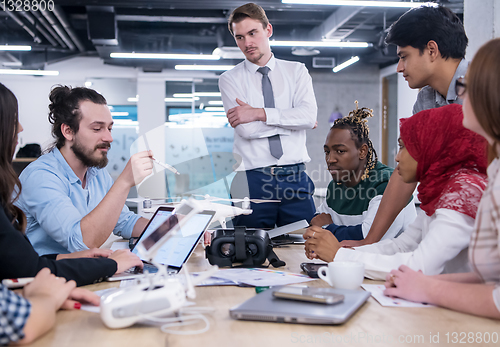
(54, 202)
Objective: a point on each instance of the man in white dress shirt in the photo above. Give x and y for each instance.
(270, 104)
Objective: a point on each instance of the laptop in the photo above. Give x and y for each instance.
(177, 250)
(265, 307)
(282, 236)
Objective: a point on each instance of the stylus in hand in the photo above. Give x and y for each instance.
(166, 166)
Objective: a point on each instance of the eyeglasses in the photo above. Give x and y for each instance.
(460, 86)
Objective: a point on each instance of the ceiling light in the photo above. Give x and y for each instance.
(360, 3)
(181, 99)
(29, 72)
(164, 56)
(190, 95)
(333, 44)
(215, 102)
(204, 67)
(345, 64)
(119, 114)
(12, 63)
(214, 109)
(14, 48)
(185, 99)
(217, 116)
(88, 84)
(229, 52)
(305, 51)
(125, 122)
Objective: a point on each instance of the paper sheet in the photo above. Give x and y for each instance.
(261, 277)
(377, 291)
(211, 281)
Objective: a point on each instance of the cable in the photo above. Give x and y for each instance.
(187, 316)
(184, 316)
(199, 309)
(188, 320)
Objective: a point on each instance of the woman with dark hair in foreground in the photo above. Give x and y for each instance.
(25, 318)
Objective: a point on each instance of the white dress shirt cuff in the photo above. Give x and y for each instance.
(272, 116)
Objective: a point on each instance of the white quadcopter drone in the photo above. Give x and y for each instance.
(154, 295)
(223, 211)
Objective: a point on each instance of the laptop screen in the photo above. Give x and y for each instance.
(178, 248)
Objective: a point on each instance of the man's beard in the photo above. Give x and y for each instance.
(85, 155)
(256, 59)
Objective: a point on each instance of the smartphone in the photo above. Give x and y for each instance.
(317, 295)
(311, 269)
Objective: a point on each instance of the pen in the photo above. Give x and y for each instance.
(166, 166)
(17, 282)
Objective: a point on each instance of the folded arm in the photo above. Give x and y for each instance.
(303, 113)
(253, 123)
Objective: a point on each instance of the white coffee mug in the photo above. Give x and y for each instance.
(343, 274)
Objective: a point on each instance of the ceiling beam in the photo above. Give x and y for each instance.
(21, 24)
(38, 27)
(61, 16)
(171, 19)
(49, 16)
(41, 19)
(161, 19)
(352, 26)
(335, 21)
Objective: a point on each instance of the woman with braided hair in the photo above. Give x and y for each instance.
(449, 161)
(359, 181)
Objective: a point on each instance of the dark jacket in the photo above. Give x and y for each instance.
(18, 259)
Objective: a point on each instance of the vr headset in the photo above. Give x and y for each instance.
(241, 247)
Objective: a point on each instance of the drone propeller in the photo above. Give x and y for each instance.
(174, 199)
(256, 201)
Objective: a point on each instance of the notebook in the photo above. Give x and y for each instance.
(265, 307)
(177, 250)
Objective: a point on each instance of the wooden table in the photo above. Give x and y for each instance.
(372, 325)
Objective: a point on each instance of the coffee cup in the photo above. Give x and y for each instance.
(343, 274)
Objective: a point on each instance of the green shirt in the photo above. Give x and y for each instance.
(355, 200)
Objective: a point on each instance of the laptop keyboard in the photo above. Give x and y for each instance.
(147, 267)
